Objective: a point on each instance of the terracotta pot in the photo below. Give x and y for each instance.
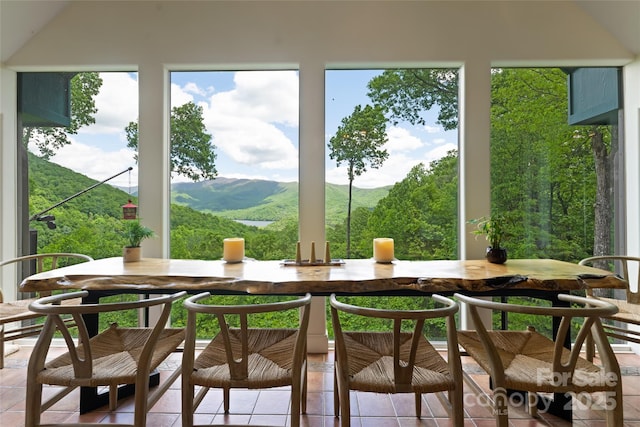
(496, 256)
(131, 254)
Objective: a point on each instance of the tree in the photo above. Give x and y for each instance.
(192, 153)
(404, 94)
(84, 88)
(427, 199)
(357, 143)
(539, 163)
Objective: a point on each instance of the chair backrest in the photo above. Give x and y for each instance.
(403, 369)
(51, 307)
(620, 264)
(47, 261)
(238, 363)
(563, 360)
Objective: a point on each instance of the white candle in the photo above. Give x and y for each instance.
(233, 249)
(383, 249)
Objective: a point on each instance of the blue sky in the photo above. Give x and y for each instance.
(253, 118)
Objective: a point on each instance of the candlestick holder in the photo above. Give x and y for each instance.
(313, 260)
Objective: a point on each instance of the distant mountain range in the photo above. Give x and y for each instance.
(236, 199)
(261, 200)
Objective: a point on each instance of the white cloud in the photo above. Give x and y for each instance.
(394, 169)
(401, 140)
(244, 120)
(432, 129)
(180, 96)
(117, 104)
(438, 152)
(97, 163)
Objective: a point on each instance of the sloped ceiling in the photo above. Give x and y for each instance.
(20, 20)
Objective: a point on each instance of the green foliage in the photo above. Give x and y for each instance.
(406, 94)
(494, 228)
(359, 141)
(134, 232)
(192, 153)
(419, 213)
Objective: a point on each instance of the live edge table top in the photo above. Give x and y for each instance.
(357, 276)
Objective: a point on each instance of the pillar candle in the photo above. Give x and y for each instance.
(383, 249)
(233, 250)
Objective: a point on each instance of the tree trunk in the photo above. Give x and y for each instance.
(603, 215)
(349, 221)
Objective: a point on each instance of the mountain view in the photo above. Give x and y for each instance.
(237, 199)
(258, 200)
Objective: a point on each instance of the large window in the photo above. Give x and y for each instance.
(552, 181)
(234, 154)
(392, 164)
(549, 178)
(68, 210)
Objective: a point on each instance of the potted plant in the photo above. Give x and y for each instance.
(134, 233)
(494, 230)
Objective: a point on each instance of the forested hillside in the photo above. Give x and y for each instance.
(261, 200)
(201, 216)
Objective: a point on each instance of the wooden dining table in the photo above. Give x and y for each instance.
(543, 278)
(352, 276)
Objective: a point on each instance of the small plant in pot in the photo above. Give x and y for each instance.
(134, 233)
(494, 230)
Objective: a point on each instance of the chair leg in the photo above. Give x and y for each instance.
(615, 413)
(187, 403)
(1, 346)
(590, 348)
(297, 399)
(225, 398)
(501, 411)
(33, 403)
(303, 407)
(336, 396)
(418, 397)
(456, 400)
(342, 399)
(113, 397)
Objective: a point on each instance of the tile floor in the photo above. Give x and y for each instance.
(271, 407)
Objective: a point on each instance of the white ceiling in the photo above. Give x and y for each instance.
(22, 19)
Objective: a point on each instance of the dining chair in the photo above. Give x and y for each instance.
(395, 360)
(625, 324)
(114, 357)
(16, 320)
(530, 362)
(243, 355)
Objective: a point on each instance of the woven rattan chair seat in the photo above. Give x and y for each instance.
(527, 360)
(628, 312)
(116, 354)
(269, 360)
(371, 366)
(19, 310)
